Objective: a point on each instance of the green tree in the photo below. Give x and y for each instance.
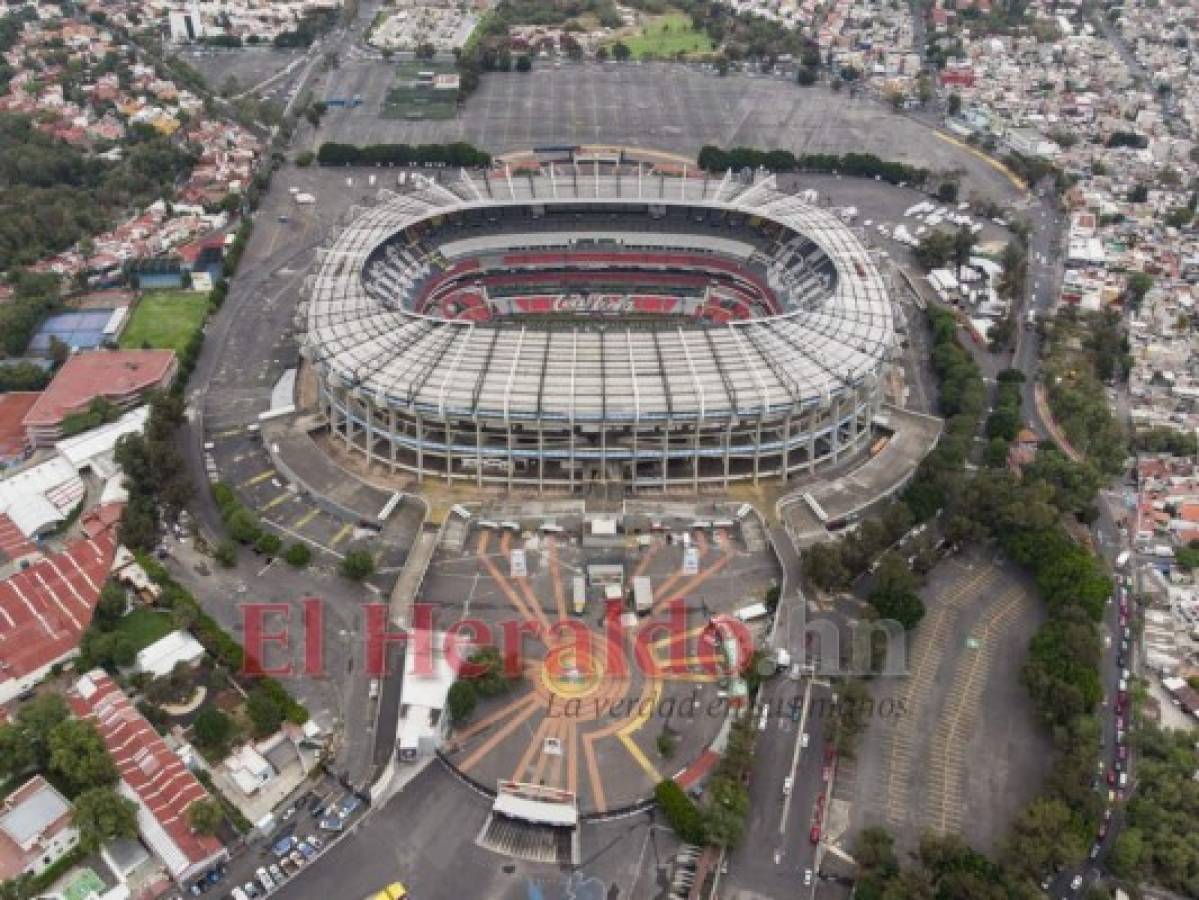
(214, 730)
(36, 722)
(894, 594)
(725, 812)
(243, 525)
(102, 815)
(205, 816)
(268, 543)
(1043, 838)
(523, 63)
(79, 758)
(935, 250)
(461, 701)
(358, 565)
(683, 815)
(621, 52)
(265, 712)
(823, 563)
(226, 554)
(111, 606)
(875, 851)
(1125, 857)
(298, 555)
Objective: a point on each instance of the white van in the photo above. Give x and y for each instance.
(264, 878)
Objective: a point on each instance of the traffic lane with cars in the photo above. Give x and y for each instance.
(770, 862)
(1114, 776)
(304, 831)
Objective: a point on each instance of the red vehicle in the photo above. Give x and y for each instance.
(1111, 777)
(1123, 751)
(814, 834)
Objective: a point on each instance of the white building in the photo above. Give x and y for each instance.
(423, 723)
(160, 658)
(35, 829)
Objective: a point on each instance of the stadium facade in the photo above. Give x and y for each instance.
(564, 325)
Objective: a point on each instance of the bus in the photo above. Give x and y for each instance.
(394, 891)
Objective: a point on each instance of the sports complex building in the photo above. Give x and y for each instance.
(567, 324)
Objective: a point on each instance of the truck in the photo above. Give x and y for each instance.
(643, 594)
(580, 595)
(1123, 558)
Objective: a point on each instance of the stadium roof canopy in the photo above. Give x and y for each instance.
(529, 371)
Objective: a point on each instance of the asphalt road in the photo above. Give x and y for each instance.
(776, 851)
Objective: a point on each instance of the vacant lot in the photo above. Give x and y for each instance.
(165, 320)
(664, 37)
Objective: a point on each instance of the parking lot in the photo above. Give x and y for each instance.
(965, 752)
(661, 105)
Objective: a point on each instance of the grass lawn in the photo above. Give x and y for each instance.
(165, 320)
(665, 36)
(145, 626)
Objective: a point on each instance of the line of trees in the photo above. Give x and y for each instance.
(155, 473)
(458, 153)
(861, 165)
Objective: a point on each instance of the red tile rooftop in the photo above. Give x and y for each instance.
(108, 373)
(13, 543)
(13, 409)
(45, 608)
(164, 786)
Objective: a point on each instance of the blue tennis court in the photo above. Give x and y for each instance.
(82, 330)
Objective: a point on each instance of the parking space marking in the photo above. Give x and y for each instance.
(305, 519)
(259, 478)
(276, 501)
(342, 534)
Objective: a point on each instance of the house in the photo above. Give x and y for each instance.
(160, 658)
(152, 776)
(47, 606)
(35, 829)
(249, 769)
(122, 377)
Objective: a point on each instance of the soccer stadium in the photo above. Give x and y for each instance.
(561, 325)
